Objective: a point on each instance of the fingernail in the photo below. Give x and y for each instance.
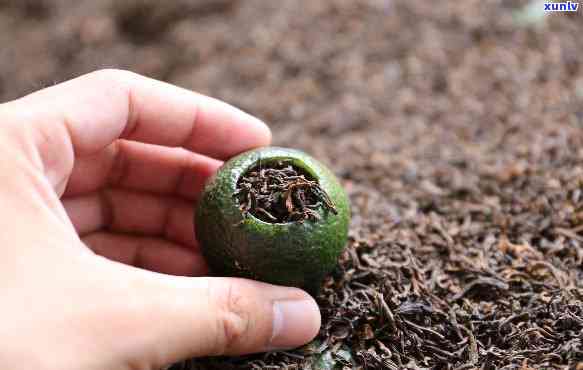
(295, 322)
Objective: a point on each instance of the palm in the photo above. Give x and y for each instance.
(134, 203)
(132, 199)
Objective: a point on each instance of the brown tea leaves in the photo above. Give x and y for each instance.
(279, 193)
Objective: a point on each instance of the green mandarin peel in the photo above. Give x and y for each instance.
(275, 215)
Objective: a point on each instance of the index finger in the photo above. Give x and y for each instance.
(100, 107)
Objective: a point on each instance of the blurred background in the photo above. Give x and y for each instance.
(406, 100)
(372, 82)
(465, 113)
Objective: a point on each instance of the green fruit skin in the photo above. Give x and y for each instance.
(291, 254)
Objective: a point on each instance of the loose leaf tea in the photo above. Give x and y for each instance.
(280, 192)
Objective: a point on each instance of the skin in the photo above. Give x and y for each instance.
(100, 268)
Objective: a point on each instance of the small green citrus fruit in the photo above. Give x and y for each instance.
(273, 214)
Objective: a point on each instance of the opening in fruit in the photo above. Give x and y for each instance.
(281, 192)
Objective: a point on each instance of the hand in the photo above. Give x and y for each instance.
(99, 176)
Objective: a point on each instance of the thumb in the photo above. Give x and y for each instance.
(178, 317)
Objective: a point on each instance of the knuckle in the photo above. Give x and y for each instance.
(120, 78)
(117, 81)
(111, 74)
(233, 317)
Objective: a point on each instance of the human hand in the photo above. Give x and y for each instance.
(93, 168)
